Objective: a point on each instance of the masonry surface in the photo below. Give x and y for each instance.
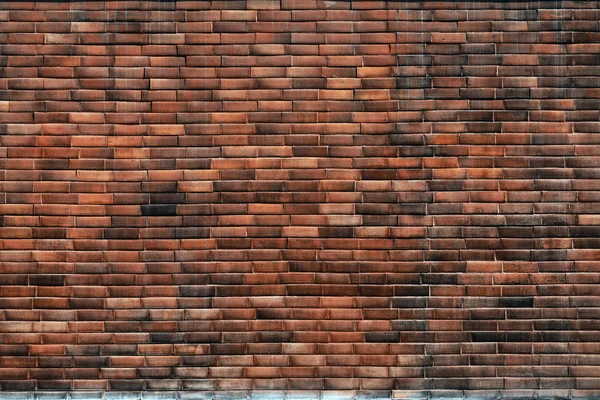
(299, 194)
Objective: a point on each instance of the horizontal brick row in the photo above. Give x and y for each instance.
(363, 197)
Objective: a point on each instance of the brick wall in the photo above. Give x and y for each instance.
(299, 194)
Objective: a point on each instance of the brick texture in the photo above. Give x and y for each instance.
(299, 194)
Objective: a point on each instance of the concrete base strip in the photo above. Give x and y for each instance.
(308, 395)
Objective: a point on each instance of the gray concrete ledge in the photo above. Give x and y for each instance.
(309, 395)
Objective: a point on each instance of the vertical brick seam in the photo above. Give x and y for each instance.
(299, 194)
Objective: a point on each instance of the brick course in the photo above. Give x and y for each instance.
(299, 194)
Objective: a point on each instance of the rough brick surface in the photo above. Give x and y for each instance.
(299, 194)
